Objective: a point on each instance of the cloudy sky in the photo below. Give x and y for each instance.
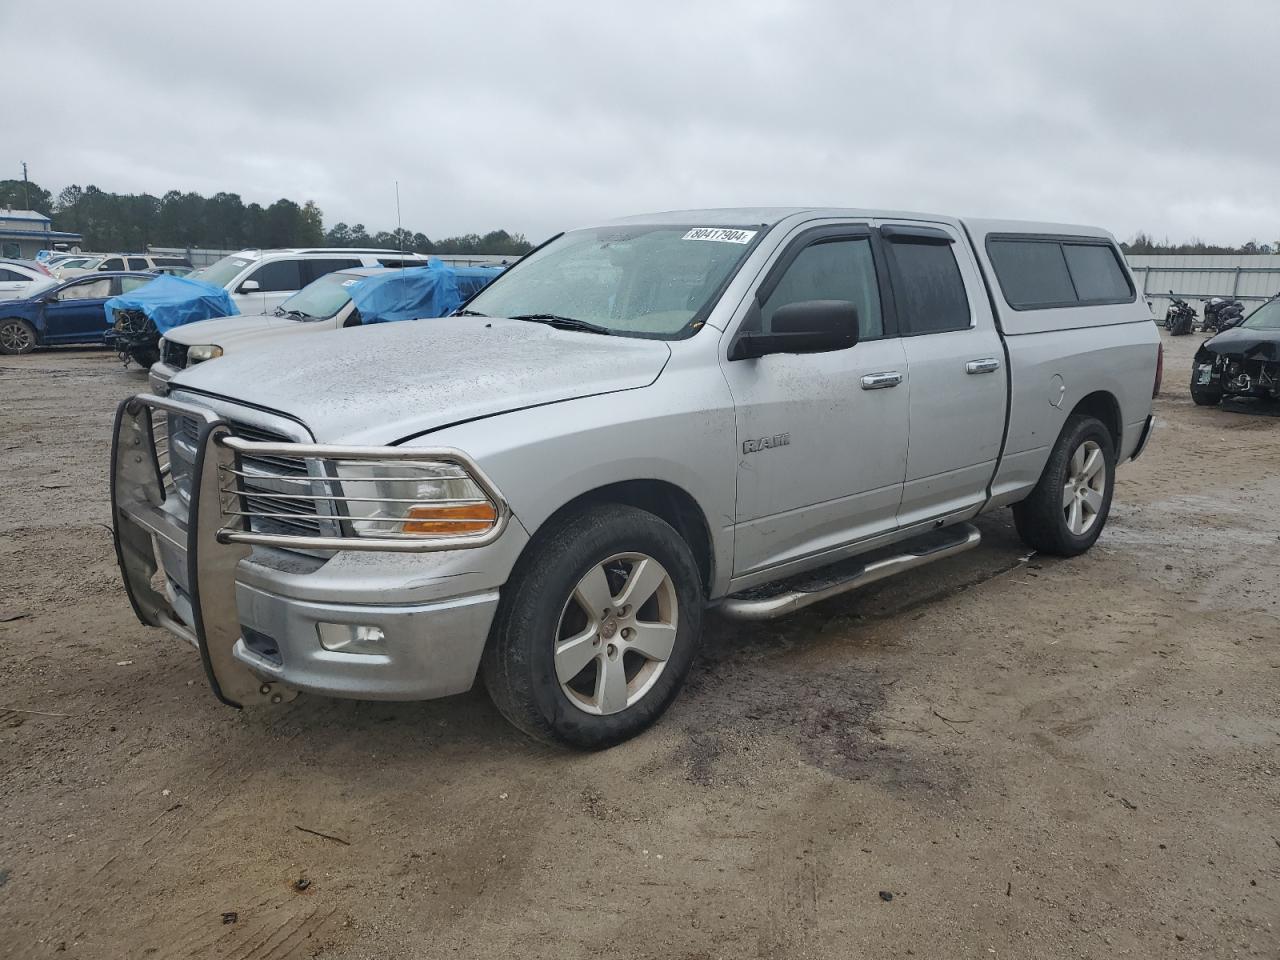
(535, 116)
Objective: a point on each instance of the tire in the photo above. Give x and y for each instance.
(17, 337)
(1047, 520)
(145, 356)
(542, 630)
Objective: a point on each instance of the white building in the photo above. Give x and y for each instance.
(23, 233)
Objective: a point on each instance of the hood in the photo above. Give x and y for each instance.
(232, 331)
(1254, 344)
(384, 383)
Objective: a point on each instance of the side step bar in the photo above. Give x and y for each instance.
(795, 593)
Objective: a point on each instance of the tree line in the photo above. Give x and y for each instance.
(134, 221)
(1145, 244)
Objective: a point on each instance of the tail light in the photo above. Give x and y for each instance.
(1155, 390)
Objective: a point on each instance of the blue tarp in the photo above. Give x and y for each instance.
(435, 290)
(471, 280)
(173, 301)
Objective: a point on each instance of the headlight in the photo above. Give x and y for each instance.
(436, 499)
(202, 352)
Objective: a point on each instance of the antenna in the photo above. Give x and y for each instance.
(400, 237)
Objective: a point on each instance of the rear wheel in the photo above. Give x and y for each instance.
(1069, 506)
(597, 628)
(16, 336)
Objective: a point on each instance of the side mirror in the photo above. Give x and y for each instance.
(810, 326)
(249, 286)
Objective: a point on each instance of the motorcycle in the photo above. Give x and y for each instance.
(1222, 314)
(1180, 316)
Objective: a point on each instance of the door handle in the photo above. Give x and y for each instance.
(989, 365)
(881, 381)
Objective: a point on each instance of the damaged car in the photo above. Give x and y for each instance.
(1241, 362)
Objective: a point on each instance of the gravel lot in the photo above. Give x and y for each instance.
(1034, 757)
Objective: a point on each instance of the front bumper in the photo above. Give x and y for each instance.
(254, 612)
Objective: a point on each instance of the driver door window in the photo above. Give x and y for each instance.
(92, 290)
(836, 269)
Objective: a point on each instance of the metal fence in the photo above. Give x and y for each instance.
(1251, 279)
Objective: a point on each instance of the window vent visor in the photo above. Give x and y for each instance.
(378, 498)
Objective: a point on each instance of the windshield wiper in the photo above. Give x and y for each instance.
(563, 323)
(469, 313)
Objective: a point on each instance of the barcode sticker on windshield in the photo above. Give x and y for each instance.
(719, 234)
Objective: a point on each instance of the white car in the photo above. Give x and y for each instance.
(138, 262)
(324, 304)
(19, 280)
(261, 280)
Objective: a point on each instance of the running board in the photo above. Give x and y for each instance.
(794, 593)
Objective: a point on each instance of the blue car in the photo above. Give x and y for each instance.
(71, 312)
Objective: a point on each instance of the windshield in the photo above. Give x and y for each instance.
(1266, 317)
(321, 299)
(652, 280)
(222, 272)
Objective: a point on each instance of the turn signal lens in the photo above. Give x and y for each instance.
(444, 520)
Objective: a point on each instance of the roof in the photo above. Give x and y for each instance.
(771, 216)
(6, 214)
(41, 235)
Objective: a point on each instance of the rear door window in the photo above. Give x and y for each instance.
(128, 284)
(315, 269)
(138, 263)
(927, 285)
(277, 276)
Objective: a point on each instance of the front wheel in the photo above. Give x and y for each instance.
(597, 628)
(144, 355)
(16, 336)
(1068, 508)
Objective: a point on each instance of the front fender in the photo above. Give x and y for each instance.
(681, 430)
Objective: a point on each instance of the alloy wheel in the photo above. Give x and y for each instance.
(1085, 487)
(616, 633)
(15, 337)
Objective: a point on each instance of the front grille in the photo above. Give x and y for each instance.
(174, 354)
(266, 483)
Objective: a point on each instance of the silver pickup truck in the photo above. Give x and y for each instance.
(749, 410)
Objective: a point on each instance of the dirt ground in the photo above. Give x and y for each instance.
(1033, 757)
